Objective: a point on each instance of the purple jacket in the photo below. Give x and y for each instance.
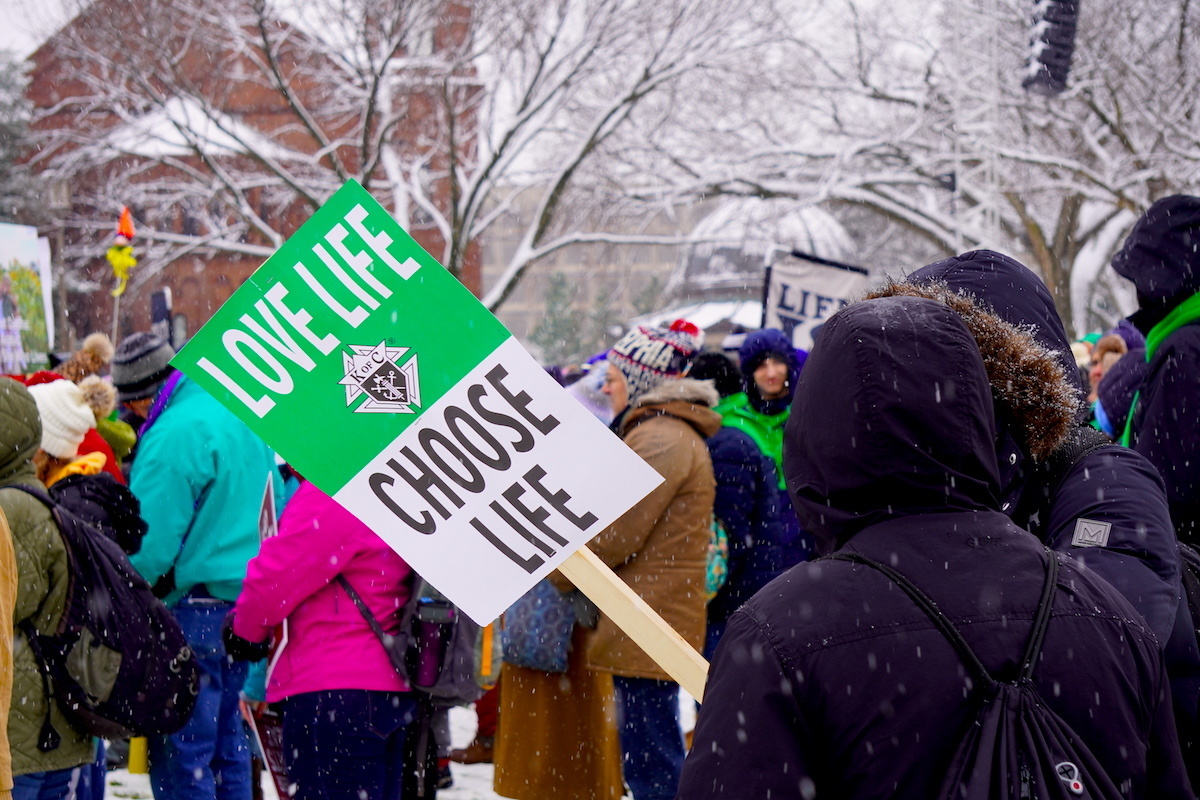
(329, 644)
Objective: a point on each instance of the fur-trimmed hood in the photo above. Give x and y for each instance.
(1029, 385)
(684, 398)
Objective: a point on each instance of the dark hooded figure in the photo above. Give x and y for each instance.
(830, 683)
(1110, 485)
(1106, 507)
(1162, 258)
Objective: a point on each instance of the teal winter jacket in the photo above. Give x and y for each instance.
(200, 475)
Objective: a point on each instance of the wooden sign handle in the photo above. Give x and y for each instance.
(638, 620)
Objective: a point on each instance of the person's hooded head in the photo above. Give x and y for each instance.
(892, 418)
(1014, 293)
(1161, 256)
(1036, 386)
(20, 431)
(770, 368)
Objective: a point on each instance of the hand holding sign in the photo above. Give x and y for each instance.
(439, 431)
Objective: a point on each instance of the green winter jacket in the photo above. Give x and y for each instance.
(42, 593)
(765, 430)
(200, 475)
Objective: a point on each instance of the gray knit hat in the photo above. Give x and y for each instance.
(140, 366)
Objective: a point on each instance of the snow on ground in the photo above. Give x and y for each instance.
(471, 781)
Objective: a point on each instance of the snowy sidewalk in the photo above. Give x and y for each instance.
(471, 781)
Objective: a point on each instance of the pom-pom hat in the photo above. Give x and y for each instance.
(66, 417)
(648, 355)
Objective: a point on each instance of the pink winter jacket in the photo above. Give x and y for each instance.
(329, 644)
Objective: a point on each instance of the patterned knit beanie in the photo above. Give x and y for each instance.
(141, 366)
(65, 415)
(648, 355)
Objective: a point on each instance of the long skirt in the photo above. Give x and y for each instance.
(557, 738)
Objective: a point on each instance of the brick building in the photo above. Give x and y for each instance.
(223, 130)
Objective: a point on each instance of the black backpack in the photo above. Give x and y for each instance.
(118, 665)
(1016, 747)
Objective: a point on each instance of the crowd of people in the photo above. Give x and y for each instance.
(943, 433)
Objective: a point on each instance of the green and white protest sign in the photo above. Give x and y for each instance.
(381, 379)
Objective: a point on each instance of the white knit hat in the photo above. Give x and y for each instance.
(66, 418)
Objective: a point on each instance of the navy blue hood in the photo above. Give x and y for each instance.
(758, 346)
(892, 417)
(1161, 257)
(1014, 293)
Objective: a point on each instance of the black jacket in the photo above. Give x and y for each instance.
(1166, 426)
(1110, 485)
(747, 503)
(1162, 257)
(829, 683)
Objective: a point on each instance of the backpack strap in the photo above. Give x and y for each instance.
(40, 494)
(1041, 622)
(376, 628)
(978, 671)
(385, 638)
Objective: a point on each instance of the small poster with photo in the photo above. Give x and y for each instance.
(26, 319)
(268, 523)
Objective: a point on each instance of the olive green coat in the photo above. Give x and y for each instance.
(42, 592)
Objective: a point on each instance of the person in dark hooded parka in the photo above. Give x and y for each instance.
(830, 683)
(1162, 257)
(1098, 502)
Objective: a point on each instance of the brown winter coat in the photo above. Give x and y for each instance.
(659, 547)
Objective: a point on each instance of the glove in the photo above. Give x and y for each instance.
(240, 649)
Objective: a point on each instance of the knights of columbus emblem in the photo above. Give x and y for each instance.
(391, 387)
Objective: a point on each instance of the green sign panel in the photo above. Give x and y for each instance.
(351, 284)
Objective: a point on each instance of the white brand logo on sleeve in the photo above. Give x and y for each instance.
(1090, 533)
(377, 372)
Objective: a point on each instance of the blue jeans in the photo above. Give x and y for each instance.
(209, 758)
(651, 740)
(55, 785)
(92, 783)
(346, 744)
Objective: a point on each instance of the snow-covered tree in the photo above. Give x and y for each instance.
(225, 122)
(14, 121)
(920, 116)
